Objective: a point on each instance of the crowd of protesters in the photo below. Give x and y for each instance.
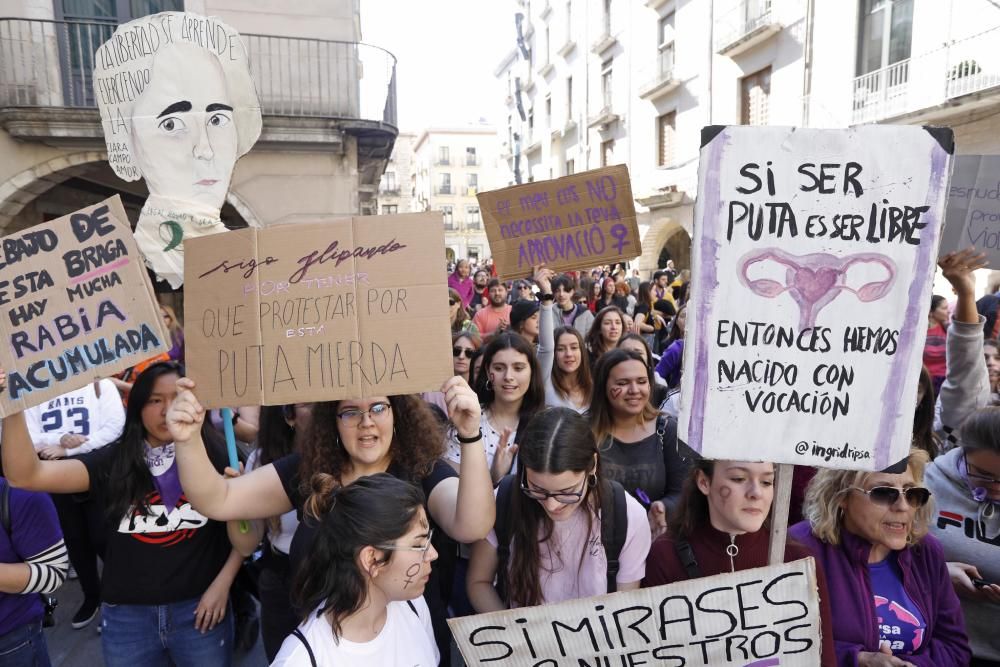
(361, 525)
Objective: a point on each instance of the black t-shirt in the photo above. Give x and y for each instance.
(655, 467)
(438, 589)
(162, 557)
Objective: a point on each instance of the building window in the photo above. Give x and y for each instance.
(755, 90)
(444, 155)
(606, 83)
(531, 126)
(390, 181)
(665, 44)
(570, 167)
(607, 17)
(884, 35)
(472, 217)
(548, 111)
(390, 209)
(569, 98)
(548, 51)
(448, 213)
(472, 182)
(470, 156)
(665, 130)
(607, 152)
(445, 187)
(474, 253)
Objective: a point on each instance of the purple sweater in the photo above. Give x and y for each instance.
(465, 288)
(925, 580)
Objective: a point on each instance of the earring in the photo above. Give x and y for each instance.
(489, 384)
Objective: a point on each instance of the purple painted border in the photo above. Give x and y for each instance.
(913, 319)
(706, 282)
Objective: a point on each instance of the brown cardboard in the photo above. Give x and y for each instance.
(253, 323)
(573, 222)
(66, 320)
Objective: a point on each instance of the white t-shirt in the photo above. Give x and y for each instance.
(82, 412)
(406, 640)
(563, 576)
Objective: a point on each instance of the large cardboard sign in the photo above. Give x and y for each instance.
(76, 305)
(178, 108)
(574, 222)
(316, 312)
(812, 261)
(765, 616)
(973, 214)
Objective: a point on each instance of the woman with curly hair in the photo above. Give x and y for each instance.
(362, 581)
(887, 578)
(348, 440)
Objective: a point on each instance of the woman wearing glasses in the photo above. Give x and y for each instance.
(348, 440)
(555, 550)
(888, 580)
(363, 578)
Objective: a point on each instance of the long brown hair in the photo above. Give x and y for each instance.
(692, 507)
(461, 315)
(417, 442)
(560, 378)
(556, 440)
(594, 341)
(602, 420)
(923, 417)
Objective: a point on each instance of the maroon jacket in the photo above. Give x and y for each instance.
(663, 566)
(925, 580)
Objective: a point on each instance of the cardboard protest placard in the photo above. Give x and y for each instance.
(318, 312)
(77, 305)
(768, 614)
(573, 222)
(973, 214)
(812, 261)
(178, 107)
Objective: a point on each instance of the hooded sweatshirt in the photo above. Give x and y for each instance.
(969, 532)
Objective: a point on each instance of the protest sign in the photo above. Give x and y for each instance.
(318, 312)
(973, 214)
(178, 108)
(764, 616)
(77, 305)
(812, 261)
(573, 222)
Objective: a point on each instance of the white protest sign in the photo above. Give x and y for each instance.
(973, 214)
(764, 616)
(812, 262)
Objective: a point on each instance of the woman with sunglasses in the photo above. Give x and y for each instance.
(363, 578)
(555, 548)
(461, 321)
(887, 578)
(348, 440)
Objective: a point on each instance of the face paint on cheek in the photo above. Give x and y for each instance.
(616, 392)
(411, 572)
(725, 492)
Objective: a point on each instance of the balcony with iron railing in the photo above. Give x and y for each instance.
(49, 65)
(747, 24)
(444, 190)
(659, 77)
(931, 84)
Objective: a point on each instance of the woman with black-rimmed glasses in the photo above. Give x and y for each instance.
(364, 578)
(554, 509)
(888, 581)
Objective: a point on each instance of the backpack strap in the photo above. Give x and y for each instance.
(686, 555)
(501, 528)
(614, 528)
(302, 638)
(5, 519)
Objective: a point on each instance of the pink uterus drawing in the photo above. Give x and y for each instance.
(814, 280)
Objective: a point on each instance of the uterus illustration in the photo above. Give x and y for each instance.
(813, 281)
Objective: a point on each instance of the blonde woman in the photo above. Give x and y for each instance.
(887, 578)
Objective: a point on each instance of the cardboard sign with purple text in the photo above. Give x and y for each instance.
(812, 262)
(569, 223)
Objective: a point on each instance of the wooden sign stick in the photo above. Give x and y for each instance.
(779, 513)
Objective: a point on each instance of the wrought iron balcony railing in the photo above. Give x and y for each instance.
(50, 64)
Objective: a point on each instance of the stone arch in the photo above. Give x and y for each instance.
(23, 188)
(671, 233)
